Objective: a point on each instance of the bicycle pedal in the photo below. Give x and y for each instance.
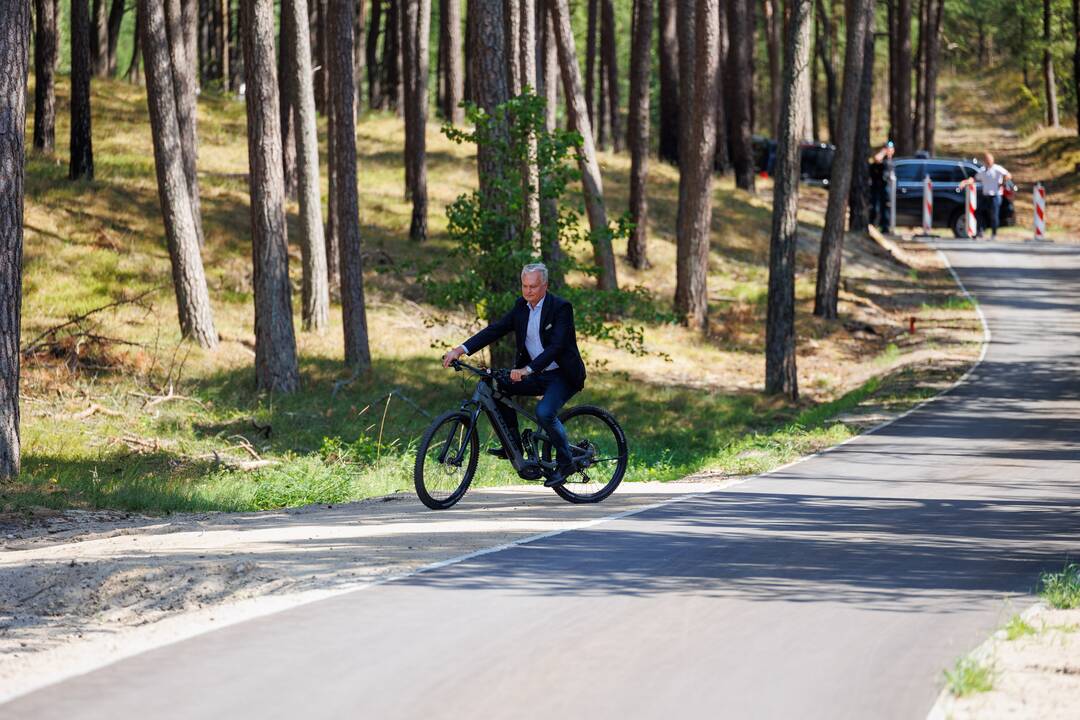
(531, 471)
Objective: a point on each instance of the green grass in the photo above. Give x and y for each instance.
(1061, 590)
(969, 676)
(950, 302)
(1017, 627)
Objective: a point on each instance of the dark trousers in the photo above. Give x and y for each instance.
(991, 212)
(881, 208)
(556, 391)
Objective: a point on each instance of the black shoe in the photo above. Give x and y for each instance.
(500, 452)
(555, 480)
(560, 475)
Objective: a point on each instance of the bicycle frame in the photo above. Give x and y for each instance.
(484, 400)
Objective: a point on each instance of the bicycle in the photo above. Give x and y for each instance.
(449, 450)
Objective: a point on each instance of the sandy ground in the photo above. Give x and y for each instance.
(81, 589)
(1035, 676)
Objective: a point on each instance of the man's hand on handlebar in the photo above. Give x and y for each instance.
(451, 356)
(519, 374)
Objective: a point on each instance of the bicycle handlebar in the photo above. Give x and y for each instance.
(502, 376)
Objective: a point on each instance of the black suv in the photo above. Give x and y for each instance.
(946, 174)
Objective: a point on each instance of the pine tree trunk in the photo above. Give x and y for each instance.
(687, 32)
(315, 298)
(831, 254)
(14, 64)
(189, 278)
(526, 49)
(490, 68)
(669, 82)
(276, 368)
(611, 65)
(772, 46)
(591, 55)
(116, 17)
(415, 36)
(99, 37)
(933, 62)
(333, 246)
(184, 86)
(376, 100)
(134, 75)
(780, 371)
(512, 15)
(319, 9)
(286, 52)
(454, 77)
(824, 49)
(551, 64)
(723, 140)
(393, 81)
(236, 46)
(920, 73)
(696, 169)
(82, 150)
(346, 202)
(894, 82)
(815, 105)
(1048, 70)
(45, 46)
(590, 170)
(860, 177)
(551, 252)
(905, 138)
(638, 133)
(1076, 59)
(740, 80)
(359, 54)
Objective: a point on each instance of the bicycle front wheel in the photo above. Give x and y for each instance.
(599, 447)
(446, 460)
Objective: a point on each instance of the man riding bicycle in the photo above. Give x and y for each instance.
(548, 362)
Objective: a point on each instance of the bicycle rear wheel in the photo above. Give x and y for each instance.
(599, 447)
(446, 460)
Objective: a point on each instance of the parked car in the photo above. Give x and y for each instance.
(815, 159)
(946, 175)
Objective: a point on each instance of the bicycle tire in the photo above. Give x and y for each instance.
(573, 491)
(426, 487)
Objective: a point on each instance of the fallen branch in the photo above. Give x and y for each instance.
(94, 408)
(152, 400)
(38, 342)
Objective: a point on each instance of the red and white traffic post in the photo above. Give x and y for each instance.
(1040, 212)
(927, 206)
(970, 206)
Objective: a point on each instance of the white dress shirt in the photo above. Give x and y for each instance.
(532, 333)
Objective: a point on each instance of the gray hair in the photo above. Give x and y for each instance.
(536, 267)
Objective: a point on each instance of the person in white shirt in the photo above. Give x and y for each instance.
(548, 361)
(991, 178)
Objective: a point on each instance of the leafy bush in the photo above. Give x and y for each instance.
(490, 244)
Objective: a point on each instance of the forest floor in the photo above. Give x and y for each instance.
(119, 413)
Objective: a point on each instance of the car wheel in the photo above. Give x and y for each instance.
(959, 227)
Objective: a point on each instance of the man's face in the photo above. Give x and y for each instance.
(890, 151)
(533, 287)
(989, 160)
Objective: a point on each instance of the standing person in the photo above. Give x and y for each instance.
(992, 177)
(548, 362)
(882, 169)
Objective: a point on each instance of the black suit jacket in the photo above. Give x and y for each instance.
(557, 335)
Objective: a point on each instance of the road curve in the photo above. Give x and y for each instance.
(837, 588)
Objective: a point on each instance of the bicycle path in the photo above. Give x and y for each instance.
(839, 587)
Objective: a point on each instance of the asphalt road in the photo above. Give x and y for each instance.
(838, 588)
